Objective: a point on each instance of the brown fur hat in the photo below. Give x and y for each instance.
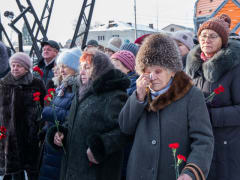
(161, 50)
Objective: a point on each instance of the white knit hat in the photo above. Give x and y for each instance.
(185, 37)
(114, 44)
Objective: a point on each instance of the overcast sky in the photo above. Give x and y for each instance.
(157, 12)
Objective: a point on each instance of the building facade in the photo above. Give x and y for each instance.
(125, 31)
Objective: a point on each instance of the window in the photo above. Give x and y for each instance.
(101, 38)
(172, 29)
(115, 35)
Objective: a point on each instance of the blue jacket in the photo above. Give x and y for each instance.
(133, 77)
(51, 161)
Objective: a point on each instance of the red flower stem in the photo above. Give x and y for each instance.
(177, 171)
(175, 162)
(209, 98)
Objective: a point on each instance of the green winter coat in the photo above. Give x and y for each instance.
(93, 123)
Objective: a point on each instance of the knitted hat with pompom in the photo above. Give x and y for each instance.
(220, 24)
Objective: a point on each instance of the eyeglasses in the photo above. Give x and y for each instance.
(212, 37)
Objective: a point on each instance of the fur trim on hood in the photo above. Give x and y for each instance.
(221, 63)
(179, 88)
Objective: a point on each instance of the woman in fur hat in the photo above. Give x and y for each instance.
(18, 114)
(166, 108)
(216, 61)
(93, 140)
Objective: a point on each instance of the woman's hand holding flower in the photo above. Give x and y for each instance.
(58, 139)
(91, 157)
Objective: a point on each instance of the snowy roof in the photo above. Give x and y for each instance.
(122, 26)
(180, 26)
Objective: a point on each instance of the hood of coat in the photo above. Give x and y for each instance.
(113, 79)
(24, 80)
(180, 86)
(222, 62)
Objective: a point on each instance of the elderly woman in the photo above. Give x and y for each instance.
(166, 108)
(18, 114)
(93, 139)
(216, 61)
(68, 62)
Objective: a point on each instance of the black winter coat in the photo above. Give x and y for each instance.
(93, 123)
(18, 113)
(47, 71)
(222, 69)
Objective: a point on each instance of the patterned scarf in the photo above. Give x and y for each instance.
(68, 81)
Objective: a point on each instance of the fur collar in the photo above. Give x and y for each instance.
(179, 88)
(24, 80)
(222, 62)
(111, 80)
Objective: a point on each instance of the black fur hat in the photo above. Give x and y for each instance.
(159, 49)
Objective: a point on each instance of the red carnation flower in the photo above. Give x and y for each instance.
(38, 70)
(215, 92)
(181, 157)
(51, 91)
(36, 94)
(174, 145)
(37, 98)
(48, 98)
(2, 132)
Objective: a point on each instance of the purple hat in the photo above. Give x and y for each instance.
(126, 57)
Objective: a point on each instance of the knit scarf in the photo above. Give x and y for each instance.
(155, 94)
(68, 81)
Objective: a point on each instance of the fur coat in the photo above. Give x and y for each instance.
(18, 113)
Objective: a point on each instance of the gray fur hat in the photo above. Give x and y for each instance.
(161, 50)
(3, 58)
(21, 58)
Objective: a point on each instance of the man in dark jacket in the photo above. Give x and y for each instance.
(50, 51)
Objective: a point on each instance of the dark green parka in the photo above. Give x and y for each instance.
(93, 123)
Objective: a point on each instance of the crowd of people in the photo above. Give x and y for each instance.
(165, 107)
